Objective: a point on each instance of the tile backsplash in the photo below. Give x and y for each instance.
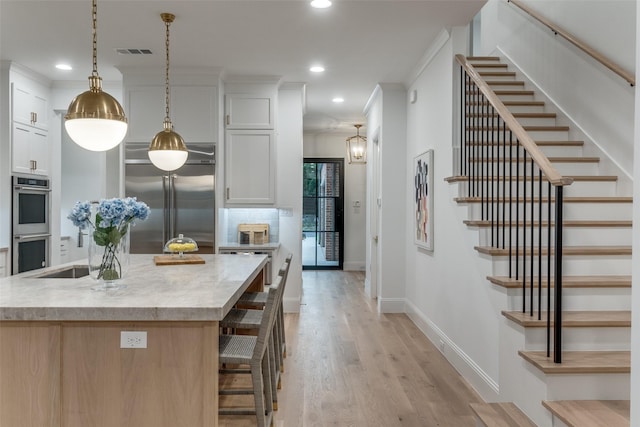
(230, 218)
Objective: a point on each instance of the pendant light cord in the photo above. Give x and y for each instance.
(167, 117)
(94, 16)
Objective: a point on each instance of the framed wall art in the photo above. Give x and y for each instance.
(423, 200)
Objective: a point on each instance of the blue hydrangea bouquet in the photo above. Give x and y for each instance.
(109, 230)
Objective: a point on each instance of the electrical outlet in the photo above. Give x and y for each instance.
(133, 339)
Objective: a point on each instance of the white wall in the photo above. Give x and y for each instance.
(333, 145)
(289, 161)
(598, 101)
(386, 117)
(635, 303)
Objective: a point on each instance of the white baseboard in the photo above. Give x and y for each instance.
(353, 266)
(486, 386)
(391, 305)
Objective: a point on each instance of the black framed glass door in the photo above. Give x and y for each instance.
(322, 214)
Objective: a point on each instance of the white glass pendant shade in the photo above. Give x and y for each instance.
(95, 120)
(168, 150)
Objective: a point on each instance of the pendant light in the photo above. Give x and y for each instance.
(357, 147)
(95, 120)
(167, 150)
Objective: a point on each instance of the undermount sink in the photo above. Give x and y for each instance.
(72, 272)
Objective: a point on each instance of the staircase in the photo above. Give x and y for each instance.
(591, 384)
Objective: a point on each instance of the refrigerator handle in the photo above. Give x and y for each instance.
(165, 208)
(174, 210)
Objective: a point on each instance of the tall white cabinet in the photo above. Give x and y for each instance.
(250, 144)
(30, 147)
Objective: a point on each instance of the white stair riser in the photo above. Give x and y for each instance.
(526, 108)
(499, 78)
(577, 189)
(518, 97)
(582, 339)
(588, 387)
(495, 86)
(477, 121)
(472, 151)
(576, 299)
(574, 266)
(572, 211)
(572, 236)
(536, 135)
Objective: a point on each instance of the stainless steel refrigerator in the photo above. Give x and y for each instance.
(181, 202)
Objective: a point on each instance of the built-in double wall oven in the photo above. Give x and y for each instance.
(30, 229)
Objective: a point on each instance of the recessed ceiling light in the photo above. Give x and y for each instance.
(317, 69)
(64, 67)
(320, 4)
(338, 100)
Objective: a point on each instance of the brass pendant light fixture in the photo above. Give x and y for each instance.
(95, 120)
(357, 147)
(167, 150)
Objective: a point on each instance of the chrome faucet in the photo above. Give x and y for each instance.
(81, 237)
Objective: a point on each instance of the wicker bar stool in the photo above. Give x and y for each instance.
(253, 351)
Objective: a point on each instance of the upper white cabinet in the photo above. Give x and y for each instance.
(30, 104)
(30, 149)
(193, 112)
(250, 175)
(249, 111)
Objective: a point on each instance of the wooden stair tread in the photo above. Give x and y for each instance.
(604, 199)
(592, 413)
(551, 159)
(539, 143)
(581, 362)
(501, 83)
(581, 178)
(500, 414)
(573, 319)
(519, 115)
(565, 223)
(497, 73)
(511, 103)
(513, 92)
(566, 250)
(483, 58)
(568, 281)
(491, 65)
(526, 128)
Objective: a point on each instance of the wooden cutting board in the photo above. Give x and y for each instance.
(177, 260)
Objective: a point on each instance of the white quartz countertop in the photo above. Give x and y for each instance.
(249, 248)
(194, 292)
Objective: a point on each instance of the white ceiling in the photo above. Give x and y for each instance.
(360, 42)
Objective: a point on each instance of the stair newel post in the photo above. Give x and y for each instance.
(549, 269)
(557, 322)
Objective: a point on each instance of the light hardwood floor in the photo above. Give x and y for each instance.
(348, 366)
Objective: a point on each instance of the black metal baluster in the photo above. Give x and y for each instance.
(517, 165)
(557, 322)
(549, 269)
(495, 180)
(511, 201)
(481, 159)
(531, 259)
(463, 118)
(540, 243)
(504, 174)
(524, 230)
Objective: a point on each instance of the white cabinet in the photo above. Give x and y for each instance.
(250, 175)
(3, 262)
(30, 150)
(30, 104)
(249, 111)
(193, 112)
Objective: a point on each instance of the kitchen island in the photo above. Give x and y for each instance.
(61, 356)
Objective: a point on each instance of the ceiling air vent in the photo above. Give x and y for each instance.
(134, 51)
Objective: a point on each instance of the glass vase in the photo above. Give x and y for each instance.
(108, 263)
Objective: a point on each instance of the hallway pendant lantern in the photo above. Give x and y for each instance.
(95, 120)
(357, 147)
(167, 150)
